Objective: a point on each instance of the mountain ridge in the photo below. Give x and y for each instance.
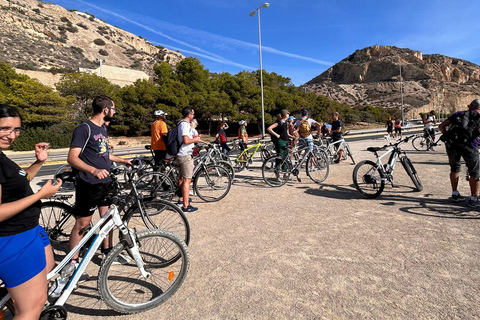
(371, 76)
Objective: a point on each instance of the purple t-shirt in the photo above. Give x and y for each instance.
(95, 153)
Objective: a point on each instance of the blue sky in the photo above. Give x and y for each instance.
(300, 38)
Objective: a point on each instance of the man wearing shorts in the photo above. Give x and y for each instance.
(90, 156)
(389, 126)
(337, 134)
(469, 153)
(428, 130)
(184, 157)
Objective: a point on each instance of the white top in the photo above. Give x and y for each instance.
(311, 122)
(429, 125)
(185, 130)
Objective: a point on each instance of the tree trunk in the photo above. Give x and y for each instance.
(209, 126)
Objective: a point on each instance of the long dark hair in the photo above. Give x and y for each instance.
(8, 112)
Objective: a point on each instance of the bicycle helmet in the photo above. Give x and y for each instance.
(159, 113)
(242, 122)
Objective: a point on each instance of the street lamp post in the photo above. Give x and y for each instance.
(100, 61)
(401, 84)
(265, 5)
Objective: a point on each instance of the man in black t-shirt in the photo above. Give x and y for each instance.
(90, 156)
(337, 134)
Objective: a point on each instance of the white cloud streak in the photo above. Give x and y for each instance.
(206, 37)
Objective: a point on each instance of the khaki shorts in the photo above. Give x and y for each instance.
(185, 164)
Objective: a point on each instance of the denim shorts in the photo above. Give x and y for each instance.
(469, 154)
(22, 256)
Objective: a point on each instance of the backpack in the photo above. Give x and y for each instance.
(304, 128)
(464, 128)
(172, 142)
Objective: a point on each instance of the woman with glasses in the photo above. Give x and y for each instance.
(25, 251)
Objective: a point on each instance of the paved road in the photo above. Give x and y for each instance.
(306, 251)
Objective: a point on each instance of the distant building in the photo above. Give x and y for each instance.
(116, 75)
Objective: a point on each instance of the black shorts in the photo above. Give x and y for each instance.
(398, 130)
(468, 153)
(159, 156)
(389, 130)
(89, 196)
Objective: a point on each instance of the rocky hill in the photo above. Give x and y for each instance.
(371, 76)
(36, 35)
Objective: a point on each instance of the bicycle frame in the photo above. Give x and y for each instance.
(245, 154)
(391, 162)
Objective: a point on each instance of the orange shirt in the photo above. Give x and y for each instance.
(159, 128)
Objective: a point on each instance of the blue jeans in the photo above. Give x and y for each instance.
(303, 142)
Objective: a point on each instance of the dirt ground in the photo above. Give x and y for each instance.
(307, 251)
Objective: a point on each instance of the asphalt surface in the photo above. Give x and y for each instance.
(308, 251)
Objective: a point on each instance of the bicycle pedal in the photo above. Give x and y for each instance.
(298, 179)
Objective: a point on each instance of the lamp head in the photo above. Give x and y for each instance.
(251, 14)
(265, 5)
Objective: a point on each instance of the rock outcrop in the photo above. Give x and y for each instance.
(36, 35)
(371, 76)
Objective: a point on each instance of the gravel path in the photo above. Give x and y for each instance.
(305, 251)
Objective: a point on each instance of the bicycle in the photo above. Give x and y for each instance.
(159, 262)
(369, 177)
(333, 149)
(276, 170)
(421, 143)
(57, 219)
(241, 159)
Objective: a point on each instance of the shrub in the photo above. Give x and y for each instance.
(65, 19)
(91, 18)
(99, 42)
(76, 50)
(81, 25)
(58, 135)
(72, 29)
(103, 52)
(36, 10)
(26, 66)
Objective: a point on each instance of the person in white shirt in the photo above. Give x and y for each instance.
(184, 157)
(428, 130)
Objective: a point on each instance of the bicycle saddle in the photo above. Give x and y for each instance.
(68, 176)
(374, 149)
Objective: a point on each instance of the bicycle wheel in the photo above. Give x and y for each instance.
(66, 185)
(124, 289)
(267, 151)
(155, 185)
(366, 179)
(412, 173)
(212, 183)
(159, 214)
(57, 220)
(419, 143)
(237, 163)
(317, 168)
(276, 171)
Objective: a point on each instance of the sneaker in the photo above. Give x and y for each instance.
(189, 209)
(121, 259)
(473, 203)
(457, 198)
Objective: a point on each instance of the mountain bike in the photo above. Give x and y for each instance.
(369, 177)
(242, 159)
(158, 265)
(333, 149)
(276, 170)
(421, 142)
(56, 215)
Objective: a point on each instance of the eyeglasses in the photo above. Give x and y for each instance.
(6, 131)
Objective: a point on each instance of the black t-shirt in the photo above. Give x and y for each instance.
(281, 129)
(389, 125)
(16, 186)
(335, 125)
(96, 151)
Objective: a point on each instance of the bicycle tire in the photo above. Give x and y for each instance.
(349, 151)
(212, 183)
(161, 214)
(237, 164)
(267, 151)
(123, 288)
(419, 143)
(317, 168)
(366, 179)
(156, 185)
(66, 186)
(274, 172)
(57, 220)
(412, 173)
